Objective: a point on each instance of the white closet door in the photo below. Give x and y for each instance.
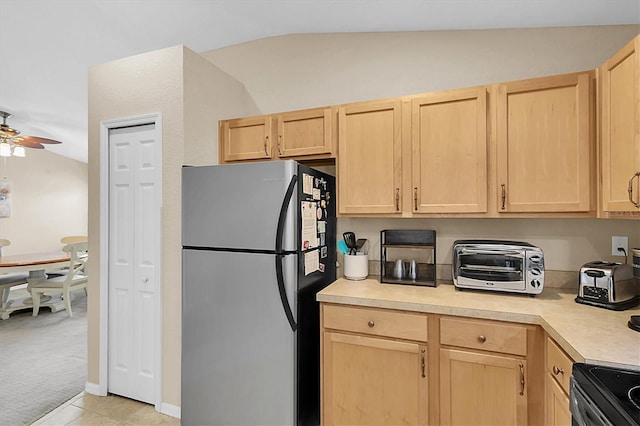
(134, 218)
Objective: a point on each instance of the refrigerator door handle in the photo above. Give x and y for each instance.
(283, 293)
(280, 253)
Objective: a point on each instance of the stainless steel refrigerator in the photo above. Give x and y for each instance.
(258, 244)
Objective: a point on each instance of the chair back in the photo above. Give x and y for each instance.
(73, 239)
(78, 261)
(3, 243)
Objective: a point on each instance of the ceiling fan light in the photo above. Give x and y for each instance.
(19, 151)
(5, 149)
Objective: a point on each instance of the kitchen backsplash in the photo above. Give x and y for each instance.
(567, 243)
(555, 279)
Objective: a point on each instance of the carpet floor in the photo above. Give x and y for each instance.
(43, 360)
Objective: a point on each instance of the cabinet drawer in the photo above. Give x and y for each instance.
(484, 335)
(558, 364)
(378, 322)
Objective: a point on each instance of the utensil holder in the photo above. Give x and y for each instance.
(356, 266)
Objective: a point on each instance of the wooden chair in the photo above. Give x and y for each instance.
(74, 239)
(68, 240)
(75, 279)
(9, 280)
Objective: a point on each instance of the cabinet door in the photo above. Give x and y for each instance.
(302, 133)
(373, 381)
(544, 144)
(246, 139)
(557, 404)
(482, 389)
(449, 152)
(369, 163)
(620, 143)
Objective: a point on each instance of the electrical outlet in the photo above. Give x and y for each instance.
(619, 242)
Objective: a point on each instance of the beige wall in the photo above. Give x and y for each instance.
(567, 243)
(309, 70)
(300, 71)
(48, 201)
(175, 82)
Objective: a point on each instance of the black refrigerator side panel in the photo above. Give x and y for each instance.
(316, 227)
(316, 269)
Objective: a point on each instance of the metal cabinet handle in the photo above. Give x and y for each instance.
(422, 363)
(521, 365)
(504, 195)
(557, 370)
(415, 199)
(266, 142)
(279, 141)
(482, 338)
(397, 199)
(637, 205)
(371, 323)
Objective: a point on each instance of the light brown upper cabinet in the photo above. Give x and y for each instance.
(545, 144)
(620, 137)
(303, 133)
(449, 152)
(246, 139)
(369, 163)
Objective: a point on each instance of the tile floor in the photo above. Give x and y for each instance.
(87, 409)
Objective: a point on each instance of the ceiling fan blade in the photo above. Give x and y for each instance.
(34, 139)
(30, 144)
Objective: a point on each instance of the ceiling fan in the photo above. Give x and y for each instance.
(12, 143)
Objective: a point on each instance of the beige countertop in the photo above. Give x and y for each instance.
(587, 333)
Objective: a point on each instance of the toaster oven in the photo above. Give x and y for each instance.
(497, 265)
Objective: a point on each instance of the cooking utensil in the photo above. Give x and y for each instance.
(360, 243)
(342, 247)
(350, 240)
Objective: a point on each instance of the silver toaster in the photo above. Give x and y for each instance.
(607, 285)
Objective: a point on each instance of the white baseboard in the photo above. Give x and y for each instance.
(94, 389)
(170, 410)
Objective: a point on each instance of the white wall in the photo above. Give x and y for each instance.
(310, 70)
(48, 201)
(192, 95)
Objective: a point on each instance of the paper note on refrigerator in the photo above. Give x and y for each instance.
(311, 262)
(309, 225)
(307, 184)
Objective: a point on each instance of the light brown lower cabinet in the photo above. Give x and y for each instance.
(377, 368)
(556, 383)
(373, 381)
(482, 389)
(557, 404)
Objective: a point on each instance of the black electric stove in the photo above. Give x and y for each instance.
(604, 395)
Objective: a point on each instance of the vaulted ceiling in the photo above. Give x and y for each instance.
(47, 46)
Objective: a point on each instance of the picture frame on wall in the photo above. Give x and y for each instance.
(5, 199)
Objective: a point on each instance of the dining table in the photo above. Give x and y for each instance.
(37, 265)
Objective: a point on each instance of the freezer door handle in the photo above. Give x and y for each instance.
(280, 254)
(283, 214)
